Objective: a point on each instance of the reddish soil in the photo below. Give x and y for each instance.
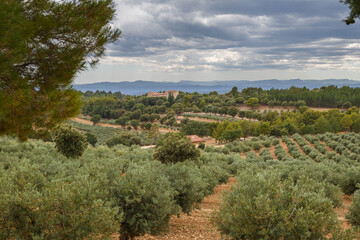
(88, 122)
(327, 147)
(197, 225)
(343, 210)
(312, 145)
(284, 145)
(272, 151)
(298, 147)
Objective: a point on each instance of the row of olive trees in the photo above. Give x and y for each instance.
(104, 191)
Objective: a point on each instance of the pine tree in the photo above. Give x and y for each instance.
(43, 45)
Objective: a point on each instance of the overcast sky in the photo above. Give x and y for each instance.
(172, 40)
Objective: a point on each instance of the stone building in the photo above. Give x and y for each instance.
(164, 94)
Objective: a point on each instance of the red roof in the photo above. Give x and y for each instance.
(195, 138)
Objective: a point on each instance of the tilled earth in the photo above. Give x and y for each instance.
(196, 226)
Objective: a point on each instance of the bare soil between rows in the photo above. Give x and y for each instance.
(197, 225)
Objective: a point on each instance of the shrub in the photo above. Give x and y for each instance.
(33, 207)
(263, 207)
(257, 146)
(275, 142)
(225, 150)
(212, 176)
(146, 197)
(176, 148)
(266, 155)
(189, 186)
(95, 119)
(69, 141)
(354, 210)
(201, 145)
(126, 139)
(267, 143)
(91, 138)
(135, 124)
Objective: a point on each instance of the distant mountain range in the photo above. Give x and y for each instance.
(141, 87)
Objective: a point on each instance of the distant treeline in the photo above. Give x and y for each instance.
(324, 97)
(115, 105)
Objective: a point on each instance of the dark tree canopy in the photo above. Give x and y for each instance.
(354, 6)
(69, 141)
(175, 148)
(43, 45)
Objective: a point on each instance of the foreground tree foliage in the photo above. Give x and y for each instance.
(43, 45)
(176, 148)
(69, 141)
(354, 6)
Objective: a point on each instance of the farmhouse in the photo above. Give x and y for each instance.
(164, 94)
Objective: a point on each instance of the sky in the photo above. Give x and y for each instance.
(205, 40)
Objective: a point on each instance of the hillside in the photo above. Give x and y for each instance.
(141, 87)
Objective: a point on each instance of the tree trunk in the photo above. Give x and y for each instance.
(124, 236)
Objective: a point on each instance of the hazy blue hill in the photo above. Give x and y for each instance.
(141, 87)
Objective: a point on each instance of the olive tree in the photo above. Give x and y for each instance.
(95, 119)
(69, 141)
(176, 148)
(145, 196)
(264, 207)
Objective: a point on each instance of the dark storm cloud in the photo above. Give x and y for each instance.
(235, 34)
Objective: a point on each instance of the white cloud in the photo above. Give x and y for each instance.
(211, 35)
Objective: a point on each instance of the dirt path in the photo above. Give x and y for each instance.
(329, 149)
(272, 151)
(88, 122)
(285, 147)
(296, 143)
(197, 225)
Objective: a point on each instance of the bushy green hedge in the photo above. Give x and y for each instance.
(186, 179)
(34, 207)
(354, 210)
(147, 200)
(261, 206)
